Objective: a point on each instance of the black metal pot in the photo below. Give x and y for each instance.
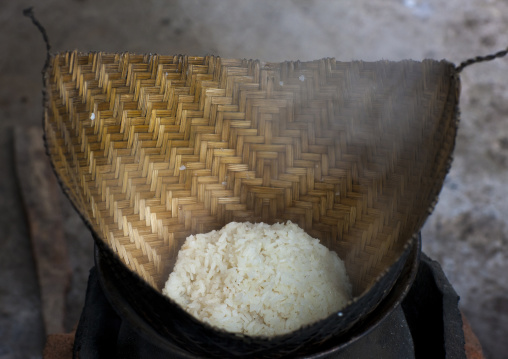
(343, 346)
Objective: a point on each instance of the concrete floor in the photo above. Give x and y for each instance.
(467, 233)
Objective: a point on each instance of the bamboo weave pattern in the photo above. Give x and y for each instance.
(152, 148)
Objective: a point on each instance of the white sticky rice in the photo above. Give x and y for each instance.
(258, 279)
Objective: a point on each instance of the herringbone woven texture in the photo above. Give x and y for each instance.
(153, 148)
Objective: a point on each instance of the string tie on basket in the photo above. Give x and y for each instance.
(477, 59)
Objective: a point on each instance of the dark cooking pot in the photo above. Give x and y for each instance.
(342, 346)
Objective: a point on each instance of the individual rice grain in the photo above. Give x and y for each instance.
(258, 279)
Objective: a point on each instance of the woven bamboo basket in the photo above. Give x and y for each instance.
(152, 148)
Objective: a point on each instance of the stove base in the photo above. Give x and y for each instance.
(427, 324)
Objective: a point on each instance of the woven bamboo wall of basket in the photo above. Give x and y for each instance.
(152, 148)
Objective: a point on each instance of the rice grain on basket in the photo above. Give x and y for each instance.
(258, 279)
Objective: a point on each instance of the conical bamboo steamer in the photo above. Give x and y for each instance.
(152, 148)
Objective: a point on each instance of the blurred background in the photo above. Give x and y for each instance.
(468, 231)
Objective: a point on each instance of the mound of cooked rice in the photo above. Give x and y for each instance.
(258, 279)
